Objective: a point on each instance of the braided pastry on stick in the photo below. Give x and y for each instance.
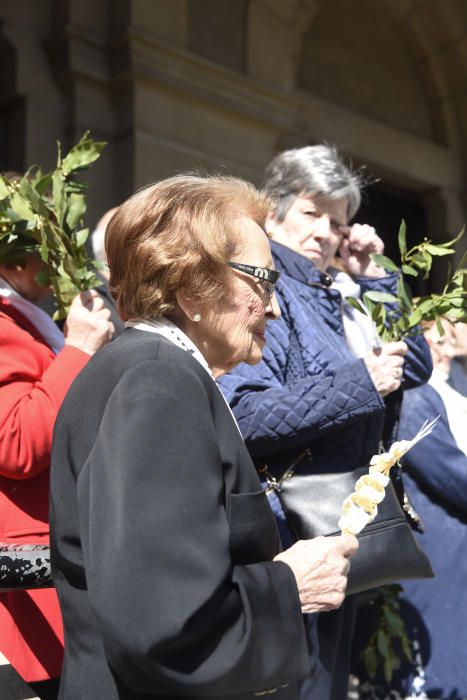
(361, 507)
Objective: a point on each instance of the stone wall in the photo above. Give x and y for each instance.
(223, 84)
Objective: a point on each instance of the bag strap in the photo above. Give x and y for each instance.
(275, 483)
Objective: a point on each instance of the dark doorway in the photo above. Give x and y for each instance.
(384, 209)
(12, 110)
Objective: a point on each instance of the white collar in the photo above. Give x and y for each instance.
(37, 316)
(344, 283)
(359, 329)
(163, 326)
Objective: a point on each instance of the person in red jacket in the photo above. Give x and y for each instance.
(37, 365)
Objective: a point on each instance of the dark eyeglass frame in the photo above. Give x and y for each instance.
(264, 274)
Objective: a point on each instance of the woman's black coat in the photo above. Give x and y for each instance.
(163, 538)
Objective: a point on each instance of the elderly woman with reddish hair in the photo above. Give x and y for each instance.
(166, 554)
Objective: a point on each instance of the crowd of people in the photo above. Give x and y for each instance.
(220, 351)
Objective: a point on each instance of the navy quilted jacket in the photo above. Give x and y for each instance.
(310, 390)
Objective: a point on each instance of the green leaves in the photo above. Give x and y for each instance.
(59, 196)
(389, 642)
(75, 210)
(4, 191)
(402, 238)
(370, 659)
(408, 270)
(21, 207)
(382, 642)
(82, 155)
(44, 213)
(381, 297)
(406, 314)
(384, 262)
(438, 250)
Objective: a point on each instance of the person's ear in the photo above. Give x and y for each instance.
(188, 306)
(271, 223)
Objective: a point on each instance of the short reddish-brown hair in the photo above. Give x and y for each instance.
(178, 233)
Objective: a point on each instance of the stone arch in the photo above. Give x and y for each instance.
(353, 55)
(427, 33)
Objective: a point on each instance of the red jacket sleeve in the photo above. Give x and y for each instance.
(33, 383)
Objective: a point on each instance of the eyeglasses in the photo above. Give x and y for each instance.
(264, 274)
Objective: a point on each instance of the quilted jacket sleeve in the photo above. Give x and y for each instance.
(273, 415)
(418, 365)
(436, 462)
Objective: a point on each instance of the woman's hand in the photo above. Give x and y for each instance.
(320, 567)
(386, 366)
(360, 240)
(87, 325)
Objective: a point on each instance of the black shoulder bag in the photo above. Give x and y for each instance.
(388, 550)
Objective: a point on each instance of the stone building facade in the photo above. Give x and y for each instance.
(222, 85)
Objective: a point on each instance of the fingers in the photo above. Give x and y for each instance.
(344, 230)
(92, 300)
(386, 369)
(89, 299)
(398, 348)
(392, 364)
(321, 567)
(344, 248)
(342, 545)
(88, 326)
(358, 243)
(86, 297)
(324, 586)
(363, 238)
(102, 312)
(392, 371)
(110, 330)
(347, 543)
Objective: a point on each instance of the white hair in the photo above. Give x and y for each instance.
(312, 170)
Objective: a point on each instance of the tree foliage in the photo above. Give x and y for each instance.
(389, 641)
(400, 315)
(43, 213)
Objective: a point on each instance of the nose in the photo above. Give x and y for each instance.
(322, 227)
(272, 308)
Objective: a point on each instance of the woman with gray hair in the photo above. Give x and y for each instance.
(321, 392)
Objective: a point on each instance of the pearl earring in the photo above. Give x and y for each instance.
(197, 317)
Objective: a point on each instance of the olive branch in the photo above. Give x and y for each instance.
(400, 315)
(390, 639)
(43, 213)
